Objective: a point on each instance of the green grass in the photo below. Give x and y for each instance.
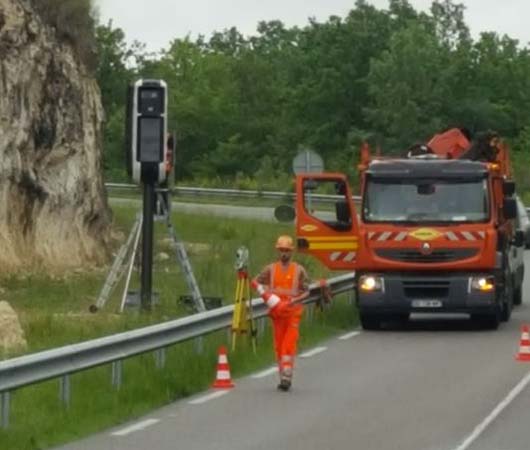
(54, 311)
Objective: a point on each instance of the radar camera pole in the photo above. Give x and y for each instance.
(146, 137)
(147, 246)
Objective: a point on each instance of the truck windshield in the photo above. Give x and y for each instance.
(425, 200)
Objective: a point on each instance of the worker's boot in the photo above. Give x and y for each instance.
(285, 380)
(284, 385)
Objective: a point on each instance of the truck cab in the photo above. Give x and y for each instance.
(428, 235)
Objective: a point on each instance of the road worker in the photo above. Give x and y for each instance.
(283, 285)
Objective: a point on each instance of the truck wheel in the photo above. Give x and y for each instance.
(507, 297)
(507, 305)
(518, 296)
(506, 311)
(370, 321)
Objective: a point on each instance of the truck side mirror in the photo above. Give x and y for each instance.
(508, 188)
(509, 208)
(343, 212)
(285, 213)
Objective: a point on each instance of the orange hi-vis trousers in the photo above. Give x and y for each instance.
(286, 332)
(284, 283)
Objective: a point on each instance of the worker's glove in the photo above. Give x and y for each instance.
(325, 295)
(271, 300)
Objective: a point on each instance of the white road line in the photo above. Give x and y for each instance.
(206, 398)
(265, 373)
(349, 335)
(136, 427)
(313, 352)
(495, 413)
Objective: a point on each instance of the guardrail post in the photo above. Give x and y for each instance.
(64, 390)
(351, 296)
(310, 313)
(117, 374)
(199, 345)
(160, 358)
(5, 409)
(262, 322)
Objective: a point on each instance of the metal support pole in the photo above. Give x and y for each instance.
(262, 323)
(5, 409)
(64, 390)
(117, 374)
(351, 297)
(199, 345)
(160, 358)
(310, 313)
(147, 246)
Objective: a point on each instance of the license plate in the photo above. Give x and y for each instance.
(426, 304)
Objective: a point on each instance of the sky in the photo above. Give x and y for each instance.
(156, 22)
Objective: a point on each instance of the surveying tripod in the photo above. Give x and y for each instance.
(242, 320)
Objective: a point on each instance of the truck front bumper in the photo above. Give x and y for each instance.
(407, 293)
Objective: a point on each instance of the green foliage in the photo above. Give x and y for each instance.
(73, 21)
(521, 163)
(243, 106)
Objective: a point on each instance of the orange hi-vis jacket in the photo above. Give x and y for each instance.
(285, 282)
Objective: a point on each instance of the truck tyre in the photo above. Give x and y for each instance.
(370, 321)
(518, 296)
(507, 295)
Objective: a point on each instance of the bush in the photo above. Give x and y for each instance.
(74, 22)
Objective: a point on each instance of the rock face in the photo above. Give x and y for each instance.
(11, 334)
(53, 208)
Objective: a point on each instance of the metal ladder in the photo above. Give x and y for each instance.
(118, 266)
(121, 263)
(183, 260)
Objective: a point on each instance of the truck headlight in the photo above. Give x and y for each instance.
(482, 284)
(371, 283)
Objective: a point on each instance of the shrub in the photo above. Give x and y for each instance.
(74, 22)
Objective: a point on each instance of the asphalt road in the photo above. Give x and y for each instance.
(240, 212)
(260, 213)
(430, 385)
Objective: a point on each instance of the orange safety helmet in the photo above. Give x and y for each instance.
(285, 242)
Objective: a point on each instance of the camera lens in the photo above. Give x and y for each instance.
(151, 101)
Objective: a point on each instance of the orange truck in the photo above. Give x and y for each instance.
(434, 233)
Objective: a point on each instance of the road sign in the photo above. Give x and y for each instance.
(307, 161)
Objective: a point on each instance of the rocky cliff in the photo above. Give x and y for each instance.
(53, 209)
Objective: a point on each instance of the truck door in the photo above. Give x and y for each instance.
(326, 221)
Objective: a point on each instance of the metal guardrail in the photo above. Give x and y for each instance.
(63, 361)
(232, 193)
(239, 193)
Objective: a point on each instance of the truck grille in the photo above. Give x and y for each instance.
(437, 256)
(426, 289)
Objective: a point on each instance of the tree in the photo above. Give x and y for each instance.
(408, 86)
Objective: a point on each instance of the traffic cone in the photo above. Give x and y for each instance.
(524, 345)
(222, 379)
